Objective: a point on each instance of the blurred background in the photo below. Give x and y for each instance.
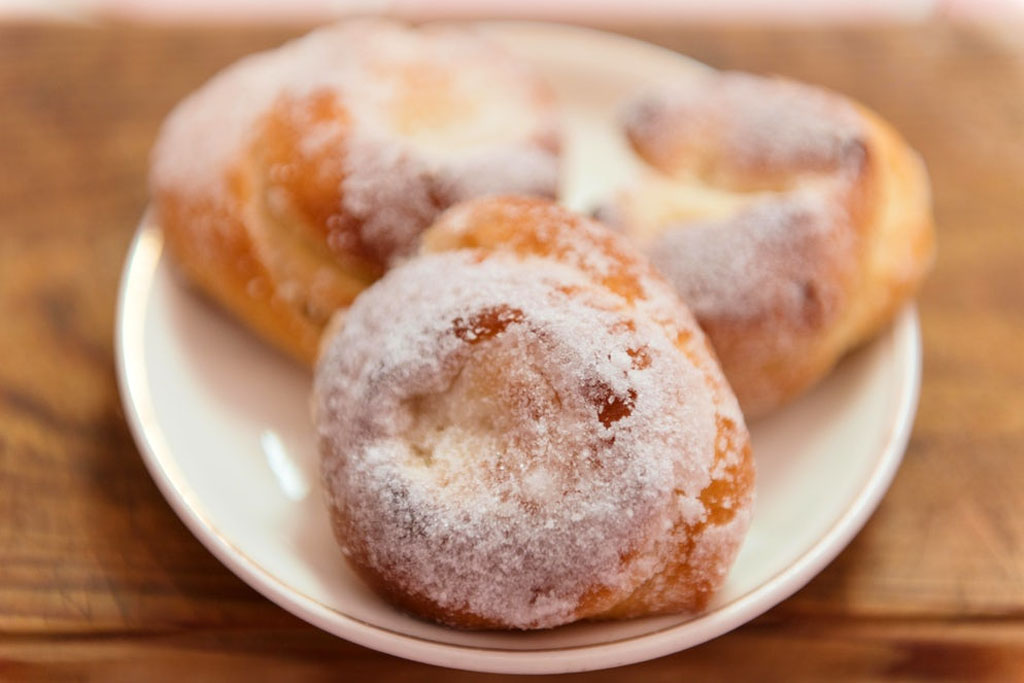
(100, 581)
(600, 12)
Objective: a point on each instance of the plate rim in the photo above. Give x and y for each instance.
(142, 261)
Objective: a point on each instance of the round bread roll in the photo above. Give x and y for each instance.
(523, 427)
(296, 177)
(793, 222)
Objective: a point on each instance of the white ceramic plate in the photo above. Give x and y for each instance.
(222, 423)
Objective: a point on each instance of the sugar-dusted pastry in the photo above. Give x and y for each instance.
(792, 221)
(296, 177)
(523, 426)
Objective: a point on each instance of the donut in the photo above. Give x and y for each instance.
(794, 222)
(294, 178)
(523, 426)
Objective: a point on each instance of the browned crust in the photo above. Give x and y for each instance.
(891, 241)
(894, 243)
(682, 582)
(224, 263)
(276, 246)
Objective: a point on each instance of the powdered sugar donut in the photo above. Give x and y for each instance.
(522, 427)
(296, 177)
(792, 221)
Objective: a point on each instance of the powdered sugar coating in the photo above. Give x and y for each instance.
(427, 110)
(764, 172)
(755, 207)
(551, 493)
(531, 227)
(730, 123)
(502, 170)
(522, 427)
(389, 192)
(769, 258)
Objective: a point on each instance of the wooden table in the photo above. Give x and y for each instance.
(100, 581)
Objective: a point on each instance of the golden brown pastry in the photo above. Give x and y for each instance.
(792, 221)
(296, 177)
(523, 426)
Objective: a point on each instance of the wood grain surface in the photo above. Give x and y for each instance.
(100, 581)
